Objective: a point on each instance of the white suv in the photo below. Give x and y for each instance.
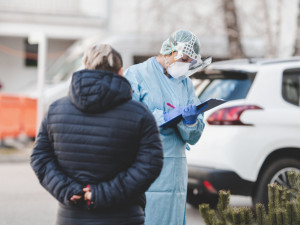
(254, 138)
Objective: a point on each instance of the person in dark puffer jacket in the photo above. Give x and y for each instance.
(97, 150)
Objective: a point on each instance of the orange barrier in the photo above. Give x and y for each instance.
(17, 115)
(29, 116)
(10, 123)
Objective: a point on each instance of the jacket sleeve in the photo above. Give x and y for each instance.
(139, 176)
(141, 95)
(191, 134)
(51, 177)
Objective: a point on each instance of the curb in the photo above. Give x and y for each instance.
(14, 158)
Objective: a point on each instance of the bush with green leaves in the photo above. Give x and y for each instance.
(283, 207)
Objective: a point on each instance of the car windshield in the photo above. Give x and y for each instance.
(227, 89)
(65, 71)
(64, 67)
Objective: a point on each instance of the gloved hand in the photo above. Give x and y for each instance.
(190, 114)
(173, 113)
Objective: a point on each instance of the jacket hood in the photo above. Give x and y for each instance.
(95, 91)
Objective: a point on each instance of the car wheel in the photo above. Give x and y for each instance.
(275, 172)
(196, 199)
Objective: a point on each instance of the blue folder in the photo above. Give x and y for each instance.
(207, 105)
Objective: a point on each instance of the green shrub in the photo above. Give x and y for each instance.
(283, 207)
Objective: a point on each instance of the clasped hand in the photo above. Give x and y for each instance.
(87, 195)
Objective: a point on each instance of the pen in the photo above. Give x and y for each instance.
(172, 106)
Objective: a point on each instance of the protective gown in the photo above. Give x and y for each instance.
(166, 197)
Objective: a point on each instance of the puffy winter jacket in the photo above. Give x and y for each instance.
(98, 136)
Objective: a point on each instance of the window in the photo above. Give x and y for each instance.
(227, 88)
(291, 86)
(31, 54)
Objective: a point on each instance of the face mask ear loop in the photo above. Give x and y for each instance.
(172, 51)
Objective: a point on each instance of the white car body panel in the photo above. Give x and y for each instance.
(276, 126)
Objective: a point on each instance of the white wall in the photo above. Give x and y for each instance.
(13, 72)
(14, 75)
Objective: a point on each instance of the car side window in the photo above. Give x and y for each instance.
(291, 86)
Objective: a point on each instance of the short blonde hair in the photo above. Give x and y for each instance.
(102, 57)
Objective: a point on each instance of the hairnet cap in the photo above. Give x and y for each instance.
(183, 42)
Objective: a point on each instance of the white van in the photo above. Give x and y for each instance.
(58, 77)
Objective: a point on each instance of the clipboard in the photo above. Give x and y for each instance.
(207, 105)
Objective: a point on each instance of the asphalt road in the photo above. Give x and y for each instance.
(24, 202)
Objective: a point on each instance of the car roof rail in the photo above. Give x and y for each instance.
(259, 61)
(278, 61)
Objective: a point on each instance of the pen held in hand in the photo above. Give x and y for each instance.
(172, 106)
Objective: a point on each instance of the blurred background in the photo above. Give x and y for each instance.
(42, 43)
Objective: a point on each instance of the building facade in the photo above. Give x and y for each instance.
(62, 21)
(66, 21)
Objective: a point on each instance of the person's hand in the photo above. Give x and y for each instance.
(173, 113)
(190, 114)
(74, 198)
(87, 194)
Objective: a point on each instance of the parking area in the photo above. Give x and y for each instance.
(25, 202)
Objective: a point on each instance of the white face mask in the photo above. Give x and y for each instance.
(178, 70)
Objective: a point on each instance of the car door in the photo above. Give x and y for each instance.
(291, 95)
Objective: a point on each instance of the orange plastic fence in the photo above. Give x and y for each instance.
(29, 116)
(17, 115)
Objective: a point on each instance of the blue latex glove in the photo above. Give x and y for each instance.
(173, 113)
(190, 114)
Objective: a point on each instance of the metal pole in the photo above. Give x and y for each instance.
(108, 10)
(42, 60)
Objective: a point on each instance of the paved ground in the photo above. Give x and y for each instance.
(25, 202)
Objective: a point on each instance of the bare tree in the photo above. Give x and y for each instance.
(232, 28)
(272, 38)
(269, 46)
(278, 28)
(297, 42)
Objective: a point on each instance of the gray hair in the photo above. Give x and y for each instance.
(102, 57)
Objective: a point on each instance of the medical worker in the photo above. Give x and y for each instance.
(162, 83)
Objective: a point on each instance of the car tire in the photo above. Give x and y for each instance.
(196, 199)
(276, 169)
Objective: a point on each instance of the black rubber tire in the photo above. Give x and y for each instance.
(196, 199)
(261, 193)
